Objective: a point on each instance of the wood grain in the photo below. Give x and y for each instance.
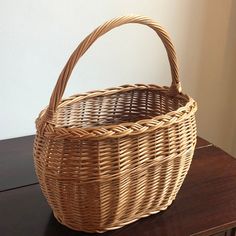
(16, 163)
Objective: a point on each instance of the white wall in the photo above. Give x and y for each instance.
(216, 75)
(37, 37)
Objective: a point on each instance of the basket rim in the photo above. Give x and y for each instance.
(120, 129)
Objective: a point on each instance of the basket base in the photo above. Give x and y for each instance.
(116, 226)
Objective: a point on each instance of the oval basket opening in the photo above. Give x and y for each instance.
(117, 107)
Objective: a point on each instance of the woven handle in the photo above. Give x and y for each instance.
(91, 38)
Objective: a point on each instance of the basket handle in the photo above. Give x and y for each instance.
(92, 37)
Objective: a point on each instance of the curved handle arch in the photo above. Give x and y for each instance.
(92, 37)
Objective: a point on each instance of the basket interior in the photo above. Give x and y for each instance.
(121, 107)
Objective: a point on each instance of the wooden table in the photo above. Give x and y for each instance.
(205, 205)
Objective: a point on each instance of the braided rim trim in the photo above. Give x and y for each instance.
(117, 130)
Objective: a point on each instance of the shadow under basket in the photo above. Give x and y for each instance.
(107, 158)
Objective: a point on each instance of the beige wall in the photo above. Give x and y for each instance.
(38, 36)
(216, 81)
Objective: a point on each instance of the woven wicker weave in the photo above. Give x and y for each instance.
(107, 158)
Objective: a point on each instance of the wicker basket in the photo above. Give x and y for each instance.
(107, 158)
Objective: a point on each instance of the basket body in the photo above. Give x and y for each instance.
(104, 183)
(110, 157)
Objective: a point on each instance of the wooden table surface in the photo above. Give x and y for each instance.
(205, 204)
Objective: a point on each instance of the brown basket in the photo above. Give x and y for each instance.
(107, 158)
